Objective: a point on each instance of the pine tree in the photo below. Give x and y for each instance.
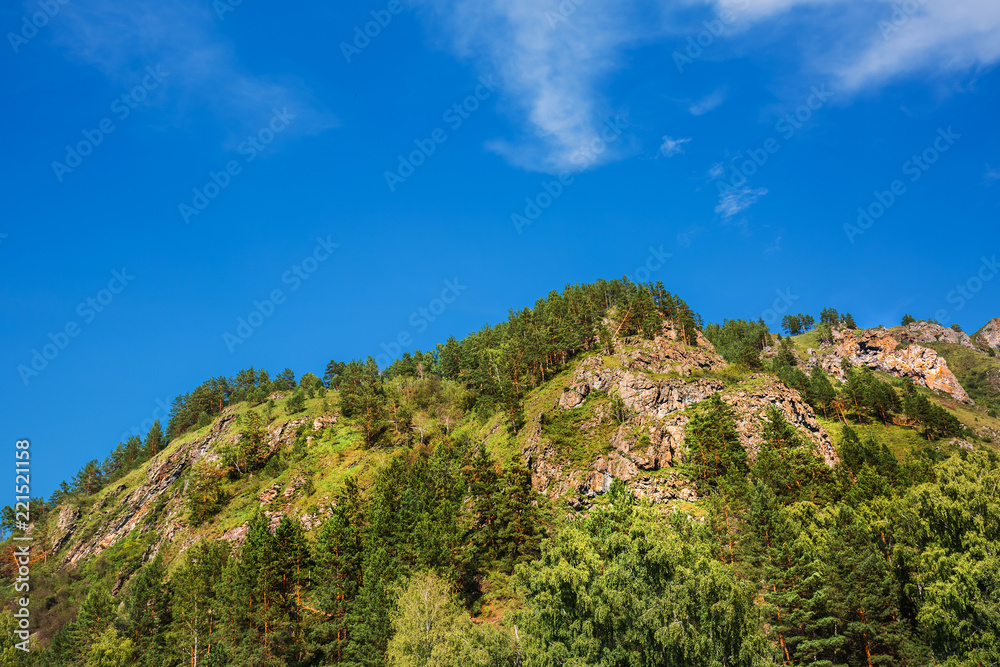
(862, 592)
(253, 581)
(820, 393)
(147, 611)
(154, 440)
(198, 611)
(296, 402)
(96, 613)
(713, 445)
(363, 398)
(333, 371)
(338, 554)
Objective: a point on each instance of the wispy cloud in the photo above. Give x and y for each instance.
(873, 42)
(738, 200)
(709, 102)
(121, 38)
(992, 174)
(671, 146)
(717, 170)
(557, 59)
(774, 247)
(553, 71)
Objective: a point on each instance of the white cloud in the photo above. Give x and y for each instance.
(874, 42)
(717, 170)
(671, 147)
(709, 102)
(121, 38)
(992, 174)
(557, 58)
(553, 70)
(735, 201)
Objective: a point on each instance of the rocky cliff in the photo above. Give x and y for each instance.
(989, 335)
(646, 448)
(156, 503)
(927, 332)
(880, 350)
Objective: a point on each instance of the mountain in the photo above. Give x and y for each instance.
(601, 479)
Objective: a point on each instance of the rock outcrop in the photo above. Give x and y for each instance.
(121, 515)
(877, 349)
(926, 332)
(645, 448)
(989, 335)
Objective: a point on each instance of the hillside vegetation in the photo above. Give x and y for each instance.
(602, 479)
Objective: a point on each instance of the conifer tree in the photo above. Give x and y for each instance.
(713, 445)
(363, 398)
(199, 603)
(147, 612)
(154, 440)
(338, 554)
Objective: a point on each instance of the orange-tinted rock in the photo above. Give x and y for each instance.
(876, 349)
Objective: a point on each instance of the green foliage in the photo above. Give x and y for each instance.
(110, 650)
(793, 325)
(824, 332)
(252, 450)
(855, 453)
(622, 587)
(430, 628)
(713, 446)
(620, 412)
(739, 341)
(148, 612)
(363, 398)
(908, 319)
(953, 546)
(936, 421)
(198, 612)
(296, 402)
(205, 495)
(820, 394)
(787, 465)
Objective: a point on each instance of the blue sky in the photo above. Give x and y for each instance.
(174, 163)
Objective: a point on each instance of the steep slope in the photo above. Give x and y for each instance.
(578, 440)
